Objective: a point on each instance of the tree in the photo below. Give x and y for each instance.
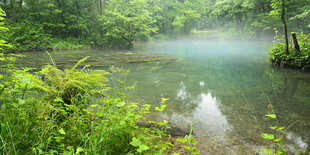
(128, 20)
(302, 15)
(188, 12)
(280, 9)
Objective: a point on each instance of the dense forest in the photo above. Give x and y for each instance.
(58, 24)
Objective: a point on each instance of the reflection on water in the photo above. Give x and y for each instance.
(181, 94)
(203, 80)
(296, 142)
(209, 115)
(205, 85)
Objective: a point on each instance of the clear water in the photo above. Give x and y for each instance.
(217, 85)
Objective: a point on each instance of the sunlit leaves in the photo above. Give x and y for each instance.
(268, 151)
(62, 131)
(273, 116)
(267, 136)
(189, 143)
(137, 143)
(79, 150)
(120, 104)
(143, 147)
(2, 28)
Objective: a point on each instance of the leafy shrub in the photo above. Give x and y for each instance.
(68, 44)
(301, 59)
(25, 36)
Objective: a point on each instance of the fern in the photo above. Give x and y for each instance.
(73, 85)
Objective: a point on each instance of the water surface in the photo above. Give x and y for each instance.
(217, 86)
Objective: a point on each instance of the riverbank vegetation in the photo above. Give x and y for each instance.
(283, 53)
(299, 58)
(71, 112)
(70, 24)
(74, 111)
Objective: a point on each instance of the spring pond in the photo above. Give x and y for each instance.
(218, 85)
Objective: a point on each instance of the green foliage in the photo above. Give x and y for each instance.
(41, 25)
(71, 24)
(188, 13)
(19, 109)
(128, 20)
(301, 59)
(266, 23)
(189, 143)
(73, 86)
(276, 141)
(26, 36)
(119, 82)
(302, 15)
(2, 28)
(70, 112)
(277, 138)
(68, 44)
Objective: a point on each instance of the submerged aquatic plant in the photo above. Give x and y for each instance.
(279, 146)
(277, 138)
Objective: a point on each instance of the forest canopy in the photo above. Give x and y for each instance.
(46, 24)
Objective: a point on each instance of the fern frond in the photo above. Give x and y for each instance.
(51, 58)
(78, 63)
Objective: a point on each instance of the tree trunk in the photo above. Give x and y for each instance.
(100, 7)
(262, 5)
(284, 27)
(163, 27)
(294, 43)
(238, 20)
(172, 27)
(130, 45)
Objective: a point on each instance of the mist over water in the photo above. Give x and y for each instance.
(205, 87)
(204, 83)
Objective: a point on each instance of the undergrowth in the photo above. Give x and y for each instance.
(70, 111)
(300, 59)
(68, 44)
